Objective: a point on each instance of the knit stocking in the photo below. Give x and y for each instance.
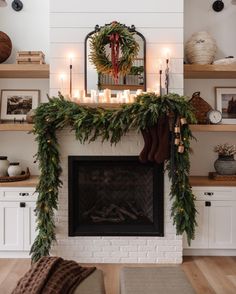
(163, 151)
(155, 142)
(143, 157)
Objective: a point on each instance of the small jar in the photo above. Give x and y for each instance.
(4, 164)
(14, 169)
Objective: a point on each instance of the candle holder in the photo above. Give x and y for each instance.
(160, 80)
(71, 77)
(167, 76)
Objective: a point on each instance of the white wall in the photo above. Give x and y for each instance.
(161, 22)
(28, 30)
(199, 16)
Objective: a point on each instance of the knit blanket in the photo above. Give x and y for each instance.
(52, 275)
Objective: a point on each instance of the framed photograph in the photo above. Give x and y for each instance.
(15, 104)
(226, 103)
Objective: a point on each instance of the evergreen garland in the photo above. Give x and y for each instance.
(109, 124)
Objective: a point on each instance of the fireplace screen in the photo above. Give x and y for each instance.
(115, 196)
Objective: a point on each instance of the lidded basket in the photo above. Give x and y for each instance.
(201, 48)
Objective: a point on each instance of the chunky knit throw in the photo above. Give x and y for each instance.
(52, 275)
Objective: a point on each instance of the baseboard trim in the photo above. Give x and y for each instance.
(209, 252)
(14, 254)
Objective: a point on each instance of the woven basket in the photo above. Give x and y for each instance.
(201, 108)
(201, 48)
(22, 177)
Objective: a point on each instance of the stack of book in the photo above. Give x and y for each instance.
(30, 57)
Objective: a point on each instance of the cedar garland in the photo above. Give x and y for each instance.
(109, 124)
(121, 40)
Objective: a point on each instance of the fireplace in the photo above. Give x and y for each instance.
(115, 196)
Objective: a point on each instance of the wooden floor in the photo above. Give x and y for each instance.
(206, 274)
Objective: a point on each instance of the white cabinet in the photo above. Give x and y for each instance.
(201, 236)
(216, 218)
(222, 224)
(11, 226)
(17, 219)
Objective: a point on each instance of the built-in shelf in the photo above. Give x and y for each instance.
(209, 71)
(19, 71)
(205, 181)
(16, 127)
(195, 128)
(213, 128)
(31, 182)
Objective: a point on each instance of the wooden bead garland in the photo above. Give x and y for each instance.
(178, 137)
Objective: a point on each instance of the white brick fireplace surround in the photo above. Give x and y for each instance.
(161, 23)
(167, 249)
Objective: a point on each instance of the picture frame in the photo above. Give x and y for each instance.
(15, 104)
(226, 103)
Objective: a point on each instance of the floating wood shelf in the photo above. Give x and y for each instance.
(209, 71)
(31, 182)
(18, 71)
(213, 128)
(205, 181)
(16, 127)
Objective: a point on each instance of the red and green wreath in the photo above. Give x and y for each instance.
(124, 50)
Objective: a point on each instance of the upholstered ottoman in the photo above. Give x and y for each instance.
(93, 284)
(154, 280)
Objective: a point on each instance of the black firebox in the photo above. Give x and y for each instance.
(115, 196)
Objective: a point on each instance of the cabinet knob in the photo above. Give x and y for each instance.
(24, 194)
(209, 193)
(207, 203)
(22, 204)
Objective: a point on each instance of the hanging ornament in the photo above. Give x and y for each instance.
(181, 148)
(183, 121)
(177, 129)
(177, 141)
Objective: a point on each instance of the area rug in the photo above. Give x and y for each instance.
(154, 280)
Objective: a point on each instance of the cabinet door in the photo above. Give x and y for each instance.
(11, 226)
(29, 225)
(222, 225)
(201, 234)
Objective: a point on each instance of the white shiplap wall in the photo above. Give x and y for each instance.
(161, 22)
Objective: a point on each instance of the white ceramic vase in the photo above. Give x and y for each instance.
(4, 163)
(14, 169)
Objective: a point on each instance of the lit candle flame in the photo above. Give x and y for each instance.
(167, 53)
(71, 56)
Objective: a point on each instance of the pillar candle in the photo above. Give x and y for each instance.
(94, 96)
(107, 95)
